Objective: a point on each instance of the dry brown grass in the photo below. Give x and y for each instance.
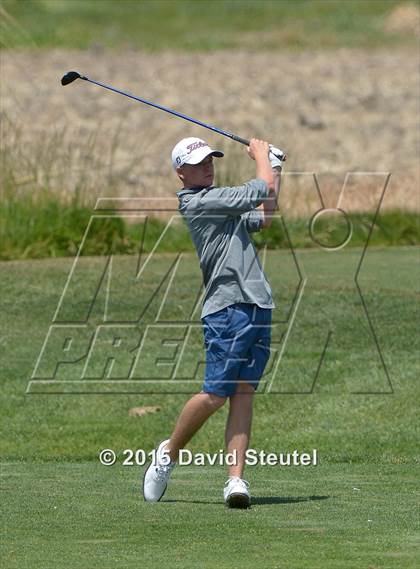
(333, 113)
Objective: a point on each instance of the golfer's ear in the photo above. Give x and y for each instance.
(180, 173)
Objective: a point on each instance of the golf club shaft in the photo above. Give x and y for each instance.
(162, 108)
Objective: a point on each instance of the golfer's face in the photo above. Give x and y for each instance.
(201, 174)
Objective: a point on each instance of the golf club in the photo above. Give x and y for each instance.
(73, 75)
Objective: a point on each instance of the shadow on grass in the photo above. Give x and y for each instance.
(262, 500)
(257, 501)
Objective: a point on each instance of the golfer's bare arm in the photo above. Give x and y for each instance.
(270, 204)
(258, 151)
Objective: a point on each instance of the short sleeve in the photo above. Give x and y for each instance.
(253, 220)
(232, 200)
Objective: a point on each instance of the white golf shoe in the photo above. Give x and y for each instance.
(236, 493)
(157, 475)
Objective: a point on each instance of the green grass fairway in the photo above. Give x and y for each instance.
(197, 25)
(62, 509)
(84, 515)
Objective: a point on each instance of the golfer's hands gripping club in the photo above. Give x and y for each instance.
(276, 156)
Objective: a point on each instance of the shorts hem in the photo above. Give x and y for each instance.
(213, 392)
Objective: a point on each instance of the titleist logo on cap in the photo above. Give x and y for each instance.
(193, 146)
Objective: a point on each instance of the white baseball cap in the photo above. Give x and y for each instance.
(192, 150)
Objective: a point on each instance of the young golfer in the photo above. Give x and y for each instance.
(236, 313)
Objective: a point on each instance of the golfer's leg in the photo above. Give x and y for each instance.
(194, 414)
(238, 426)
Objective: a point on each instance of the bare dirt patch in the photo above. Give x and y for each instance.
(141, 411)
(404, 19)
(333, 112)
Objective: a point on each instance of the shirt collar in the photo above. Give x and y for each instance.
(186, 191)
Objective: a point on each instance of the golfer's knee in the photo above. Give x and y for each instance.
(215, 401)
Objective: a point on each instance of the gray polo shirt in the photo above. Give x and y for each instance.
(220, 221)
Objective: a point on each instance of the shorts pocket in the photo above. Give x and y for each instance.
(215, 323)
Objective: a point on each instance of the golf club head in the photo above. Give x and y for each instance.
(70, 77)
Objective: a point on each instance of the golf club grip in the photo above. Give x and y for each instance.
(240, 139)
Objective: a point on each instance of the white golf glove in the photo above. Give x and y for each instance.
(276, 156)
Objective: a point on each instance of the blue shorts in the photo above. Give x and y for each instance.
(237, 340)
